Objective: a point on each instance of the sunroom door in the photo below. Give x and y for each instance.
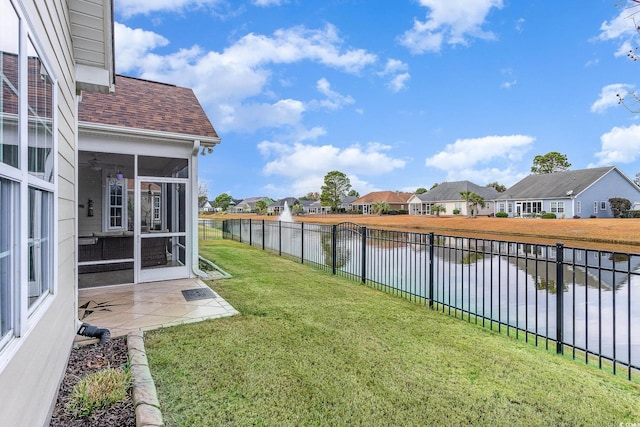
(162, 239)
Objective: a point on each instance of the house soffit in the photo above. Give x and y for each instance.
(93, 45)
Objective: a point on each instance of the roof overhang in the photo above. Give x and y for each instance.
(112, 131)
(93, 46)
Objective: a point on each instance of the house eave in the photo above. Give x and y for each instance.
(92, 35)
(110, 130)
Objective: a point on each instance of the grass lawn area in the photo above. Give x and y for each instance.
(310, 348)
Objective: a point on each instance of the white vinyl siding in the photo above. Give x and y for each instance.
(38, 316)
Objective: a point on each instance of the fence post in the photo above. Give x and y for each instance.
(559, 297)
(431, 252)
(250, 233)
(263, 234)
(279, 238)
(240, 233)
(363, 230)
(302, 243)
(333, 248)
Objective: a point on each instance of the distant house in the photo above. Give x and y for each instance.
(397, 201)
(316, 206)
(584, 193)
(306, 205)
(248, 205)
(448, 194)
(278, 206)
(205, 206)
(232, 204)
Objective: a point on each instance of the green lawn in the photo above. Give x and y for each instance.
(310, 348)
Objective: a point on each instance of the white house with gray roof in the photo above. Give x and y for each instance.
(448, 195)
(584, 193)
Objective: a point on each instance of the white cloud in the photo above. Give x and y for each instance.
(608, 96)
(508, 85)
(267, 3)
(252, 116)
(133, 44)
(520, 24)
(304, 165)
(397, 70)
(622, 28)
(299, 159)
(465, 153)
(620, 145)
(133, 7)
(334, 100)
(506, 177)
(450, 21)
(394, 66)
(224, 82)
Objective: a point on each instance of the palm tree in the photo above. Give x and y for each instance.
(467, 197)
(380, 207)
(437, 209)
(476, 200)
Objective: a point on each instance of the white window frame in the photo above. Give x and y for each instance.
(603, 206)
(156, 208)
(557, 207)
(595, 207)
(122, 206)
(578, 207)
(19, 181)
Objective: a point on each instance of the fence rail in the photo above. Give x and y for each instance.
(582, 301)
(209, 229)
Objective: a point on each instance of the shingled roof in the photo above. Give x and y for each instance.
(383, 196)
(152, 106)
(450, 191)
(556, 184)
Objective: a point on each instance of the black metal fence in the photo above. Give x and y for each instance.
(209, 229)
(578, 301)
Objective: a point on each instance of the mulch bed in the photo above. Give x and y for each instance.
(86, 360)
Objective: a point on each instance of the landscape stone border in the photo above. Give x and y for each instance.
(145, 397)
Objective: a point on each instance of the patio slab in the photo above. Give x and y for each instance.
(147, 306)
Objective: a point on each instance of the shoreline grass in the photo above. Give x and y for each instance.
(310, 348)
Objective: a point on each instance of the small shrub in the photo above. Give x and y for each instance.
(502, 215)
(592, 216)
(99, 390)
(403, 212)
(456, 211)
(548, 215)
(576, 217)
(634, 214)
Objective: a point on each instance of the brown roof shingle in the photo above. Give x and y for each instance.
(143, 104)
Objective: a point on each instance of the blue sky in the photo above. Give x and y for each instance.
(397, 95)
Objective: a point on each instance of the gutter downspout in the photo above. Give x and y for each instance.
(195, 257)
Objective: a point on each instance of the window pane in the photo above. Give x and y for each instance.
(40, 243)
(7, 205)
(10, 86)
(116, 206)
(40, 117)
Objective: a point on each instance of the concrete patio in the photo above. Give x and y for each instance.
(147, 306)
